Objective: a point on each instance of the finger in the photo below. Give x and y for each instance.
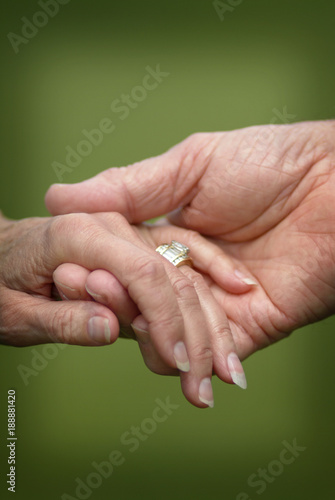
(208, 257)
(77, 283)
(117, 299)
(141, 191)
(107, 290)
(70, 322)
(140, 271)
(153, 361)
(194, 354)
(189, 217)
(198, 348)
(70, 281)
(132, 191)
(226, 363)
(164, 296)
(149, 353)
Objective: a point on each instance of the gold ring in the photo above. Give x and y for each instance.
(176, 253)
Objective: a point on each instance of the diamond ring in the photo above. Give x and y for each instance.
(176, 253)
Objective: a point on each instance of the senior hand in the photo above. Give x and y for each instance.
(77, 283)
(267, 197)
(32, 249)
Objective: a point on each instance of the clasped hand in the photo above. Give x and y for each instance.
(257, 212)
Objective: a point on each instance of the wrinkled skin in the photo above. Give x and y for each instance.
(264, 195)
(175, 305)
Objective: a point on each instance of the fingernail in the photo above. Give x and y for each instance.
(141, 335)
(245, 279)
(98, 330)
(96, 296)
(64, 287)
(236, 371)
(63, 296)
(206, 392)
(181, 357)
(126, 333)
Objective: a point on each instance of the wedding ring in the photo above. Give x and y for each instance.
(176, 253)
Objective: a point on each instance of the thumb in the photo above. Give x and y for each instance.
(144, 190)
(69, 322)
(78, 323)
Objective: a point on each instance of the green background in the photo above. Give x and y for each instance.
(223, 75)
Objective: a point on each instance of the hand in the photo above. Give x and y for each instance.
(266, 197)
(32, 249)
(77, 283)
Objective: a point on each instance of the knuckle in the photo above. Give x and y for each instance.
(194, 238)
(118, 225)
(70, 223)
(149, 269)
(195, 143)
(196, 137)
(62, 325)
(183, 287)
(156, 366)
(197, 280)
(170, 322)
(118, 219)
(202, 353)
(53, 227)
(152, 275)
(221, 331)
(89, 229)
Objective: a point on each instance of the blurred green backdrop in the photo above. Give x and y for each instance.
(263, 58)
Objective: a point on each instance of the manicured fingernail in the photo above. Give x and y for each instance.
(181, 357)
(236, 371)
(206, 392)
(245, 279)
(141, 335)
(98, 330)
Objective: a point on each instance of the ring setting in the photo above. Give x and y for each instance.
(176, 253)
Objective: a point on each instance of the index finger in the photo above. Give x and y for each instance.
(141, 271)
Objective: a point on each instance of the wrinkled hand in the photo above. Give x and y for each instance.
(175, 304)
(266, 195)
(77, 283)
